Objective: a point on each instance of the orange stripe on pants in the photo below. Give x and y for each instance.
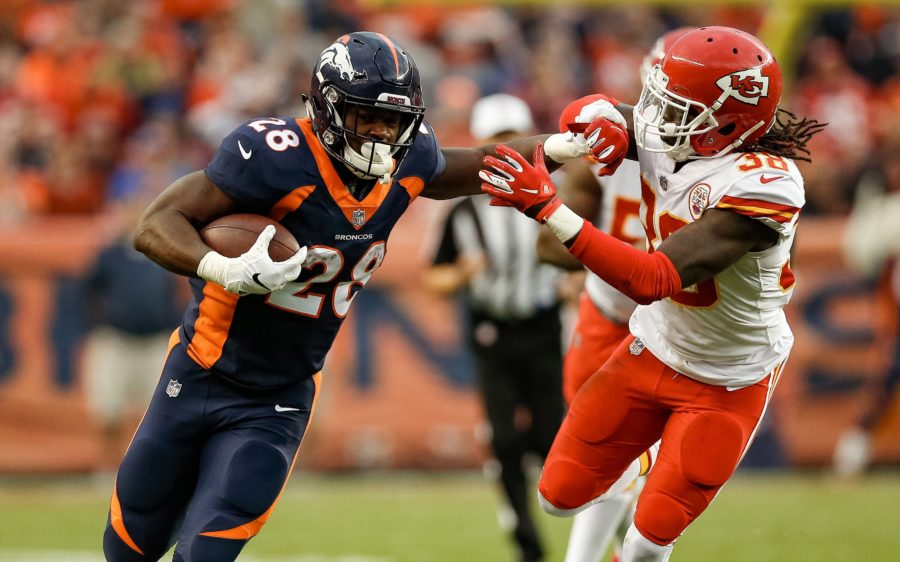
(115, 507)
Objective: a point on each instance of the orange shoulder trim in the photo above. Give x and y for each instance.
(291, 202)
(356, 212)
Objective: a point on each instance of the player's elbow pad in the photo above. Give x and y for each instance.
(642, 277)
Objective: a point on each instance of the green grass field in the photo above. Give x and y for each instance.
(423, 517)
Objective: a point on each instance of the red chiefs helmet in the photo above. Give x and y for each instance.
(715, 89)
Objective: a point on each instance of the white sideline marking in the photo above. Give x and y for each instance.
(84, 556)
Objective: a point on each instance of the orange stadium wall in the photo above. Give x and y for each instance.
(398, 388)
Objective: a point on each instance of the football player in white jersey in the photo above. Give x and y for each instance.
(720, 201)
(611, 198)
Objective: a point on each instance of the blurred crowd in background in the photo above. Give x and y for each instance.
(105, 102)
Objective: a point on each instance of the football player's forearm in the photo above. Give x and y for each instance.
(170, 240)
(525, 146)
(640, 276)
(460, 176)
(553, 252)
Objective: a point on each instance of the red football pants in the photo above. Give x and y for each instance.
(594, 339)
(628, 405)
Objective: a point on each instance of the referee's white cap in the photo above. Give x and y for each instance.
(500, 113)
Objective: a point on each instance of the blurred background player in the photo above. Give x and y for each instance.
(710, 337)
(513, 324)
(132, 306)
(872, 249)
(612, 202)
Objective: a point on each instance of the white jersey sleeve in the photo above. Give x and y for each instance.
(774, 197)
(729, 330)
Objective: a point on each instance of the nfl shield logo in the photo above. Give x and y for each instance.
(173, 388)
(359, 218)
(664, 183)
(636, 347)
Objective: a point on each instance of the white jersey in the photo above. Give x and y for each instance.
(619, 217)
(730, 330)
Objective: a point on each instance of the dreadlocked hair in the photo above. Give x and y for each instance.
(787, 137)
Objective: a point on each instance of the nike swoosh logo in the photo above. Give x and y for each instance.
(285, 409)
(258, 282)
(534, 191)
(767, 179)
(244, 152)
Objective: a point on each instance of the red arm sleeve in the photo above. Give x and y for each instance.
(641, 276)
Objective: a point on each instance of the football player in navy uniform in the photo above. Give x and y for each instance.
(223, 429)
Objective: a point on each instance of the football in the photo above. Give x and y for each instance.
(232, 235)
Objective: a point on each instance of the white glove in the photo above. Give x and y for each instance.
(562, 147)
(253, 272)
(600, 108)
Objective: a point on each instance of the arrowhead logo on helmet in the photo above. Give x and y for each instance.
(747, 86)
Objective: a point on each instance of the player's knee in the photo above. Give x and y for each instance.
(710, 449)
(565, 486)
(147, 476)
(660, 518)
(255, 477)
(551, 509)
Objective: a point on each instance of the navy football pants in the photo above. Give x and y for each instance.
(206, 466)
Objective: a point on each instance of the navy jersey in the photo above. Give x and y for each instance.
(278, 168)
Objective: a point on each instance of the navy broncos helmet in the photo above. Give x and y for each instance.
(372, 70)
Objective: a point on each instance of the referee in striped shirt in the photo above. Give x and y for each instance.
(514, 320)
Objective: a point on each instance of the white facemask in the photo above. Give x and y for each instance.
(382, 163)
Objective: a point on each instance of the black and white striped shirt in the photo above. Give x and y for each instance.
(514, 285)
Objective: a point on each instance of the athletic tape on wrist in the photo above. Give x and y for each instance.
(565, 223)
(562, 147)
(212, 267)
